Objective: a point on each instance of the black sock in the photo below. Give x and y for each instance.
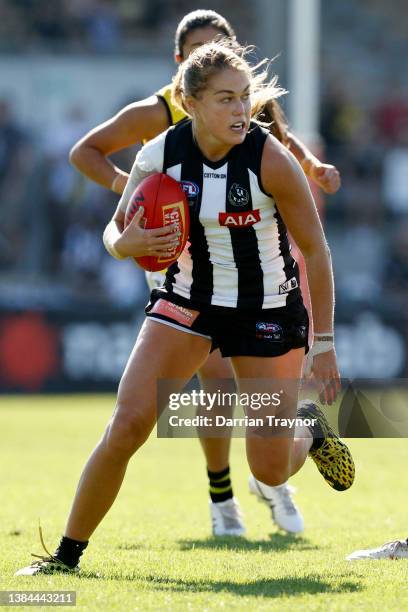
(220, 485)
(315, 429)
(318, 437)
(69, 551)
(317, 443)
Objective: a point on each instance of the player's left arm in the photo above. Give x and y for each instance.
(326, 176)
(134, 240)
(282, 177)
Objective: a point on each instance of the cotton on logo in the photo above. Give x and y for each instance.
(243, 219)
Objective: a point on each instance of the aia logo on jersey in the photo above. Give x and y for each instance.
(244, 219)
(238, 196)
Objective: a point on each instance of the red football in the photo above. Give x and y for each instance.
(164, 203)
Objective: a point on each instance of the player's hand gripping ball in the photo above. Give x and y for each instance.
(164, 203)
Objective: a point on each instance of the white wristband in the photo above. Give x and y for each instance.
(110, 235)
(318, 347)
(324, 336)
(114, 252)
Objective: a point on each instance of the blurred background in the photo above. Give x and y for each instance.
(69, 313)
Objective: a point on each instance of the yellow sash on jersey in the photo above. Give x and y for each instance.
(174, 112)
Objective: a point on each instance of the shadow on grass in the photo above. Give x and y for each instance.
(277, 542)
(267, 587)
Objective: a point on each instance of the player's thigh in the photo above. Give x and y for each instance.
(160, 352)
(215, 367)
(272, 386)
(216, 376)
(287, 366)
(277, 377)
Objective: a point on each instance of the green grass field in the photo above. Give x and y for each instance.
(154, 550)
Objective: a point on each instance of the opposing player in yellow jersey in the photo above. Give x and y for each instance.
(142, 121)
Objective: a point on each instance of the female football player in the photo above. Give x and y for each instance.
(229, 282)
(143, 121)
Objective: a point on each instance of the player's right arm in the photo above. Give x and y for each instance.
(134, 241)
(134, 123)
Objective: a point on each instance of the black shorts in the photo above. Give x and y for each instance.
(258, 333)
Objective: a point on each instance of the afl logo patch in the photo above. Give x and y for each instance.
(238, 196)
(190, 189)
(269, 331)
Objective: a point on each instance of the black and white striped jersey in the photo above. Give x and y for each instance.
(238, 253)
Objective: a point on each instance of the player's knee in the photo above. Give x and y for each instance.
(272, 473)
(126, 433)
